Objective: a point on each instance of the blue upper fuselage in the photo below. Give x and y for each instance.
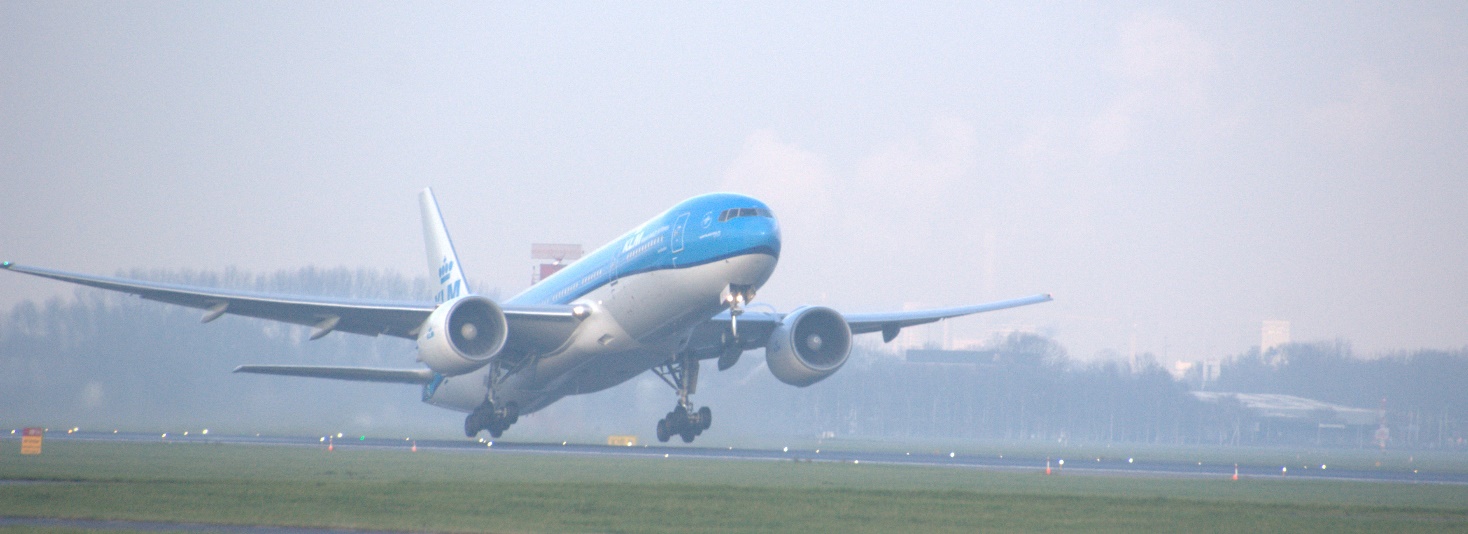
(700, 230)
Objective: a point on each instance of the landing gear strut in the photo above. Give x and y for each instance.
(488, 417)
(493, 416)
(735, 297)
(682, 374)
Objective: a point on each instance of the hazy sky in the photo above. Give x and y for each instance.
(1174, 174)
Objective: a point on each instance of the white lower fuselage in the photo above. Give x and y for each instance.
(637, 322)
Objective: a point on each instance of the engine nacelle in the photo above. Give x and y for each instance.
(461, 335)
(810, 344)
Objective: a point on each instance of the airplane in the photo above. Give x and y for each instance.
(664, 297)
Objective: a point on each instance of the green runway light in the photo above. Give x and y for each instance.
(363, 438)
(6, 265)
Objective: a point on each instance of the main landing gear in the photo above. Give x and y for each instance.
(684, 424)
(488, 417)
(682, 374)
(493, 416)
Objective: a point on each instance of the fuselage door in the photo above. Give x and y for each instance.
(677, 237)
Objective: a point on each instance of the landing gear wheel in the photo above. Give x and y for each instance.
(487, 417)
(480, 419)
(471, 427)
(681, 373)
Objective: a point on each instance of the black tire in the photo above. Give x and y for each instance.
(663, 434)
(705, 418)
(476, 421)
(687, 436)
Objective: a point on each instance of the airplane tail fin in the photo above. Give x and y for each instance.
(443, 262)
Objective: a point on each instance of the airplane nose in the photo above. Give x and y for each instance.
(770, 235)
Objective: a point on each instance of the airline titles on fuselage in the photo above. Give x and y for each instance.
(634, 248)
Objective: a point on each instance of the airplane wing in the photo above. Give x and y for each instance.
(356, 374)
(889, 324)
(531, 328)
(755, 327)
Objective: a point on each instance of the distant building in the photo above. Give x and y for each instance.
(1273, 334)
(560, 255)
(1199, 373)
(1265, 418)
(1180, 369)
(1290, 407)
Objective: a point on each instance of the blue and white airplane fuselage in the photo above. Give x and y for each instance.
(645, 292)
(663, 297)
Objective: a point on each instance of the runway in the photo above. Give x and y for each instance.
(1105, 466)
(166, 526)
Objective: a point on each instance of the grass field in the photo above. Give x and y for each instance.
(508, 492)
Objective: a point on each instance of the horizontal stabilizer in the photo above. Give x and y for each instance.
(358, 374)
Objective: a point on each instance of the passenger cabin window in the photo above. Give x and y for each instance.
(735, 213)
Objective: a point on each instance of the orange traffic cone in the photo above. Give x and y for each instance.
(330, 446)
(1236, 471)
(1047, 466)
(415, 446)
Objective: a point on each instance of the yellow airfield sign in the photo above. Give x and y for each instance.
(30, 440)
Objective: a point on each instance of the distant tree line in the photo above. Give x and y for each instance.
(1031, 390)
(104, 359)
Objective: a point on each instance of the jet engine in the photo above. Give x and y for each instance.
(462, 335)
(810, 344)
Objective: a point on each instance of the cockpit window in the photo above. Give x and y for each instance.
(735, 213)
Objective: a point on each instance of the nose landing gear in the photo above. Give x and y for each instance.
(735, 297)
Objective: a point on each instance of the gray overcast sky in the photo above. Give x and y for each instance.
(1177, 173)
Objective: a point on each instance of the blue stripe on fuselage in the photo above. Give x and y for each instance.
(687, 235)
